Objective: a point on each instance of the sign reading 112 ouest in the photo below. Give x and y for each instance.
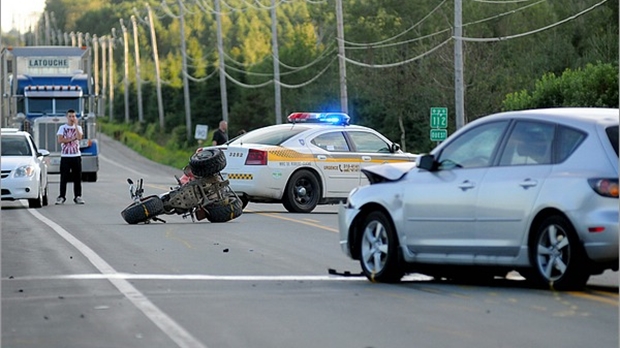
(439, 123)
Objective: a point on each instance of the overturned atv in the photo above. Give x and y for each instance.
(201, 193)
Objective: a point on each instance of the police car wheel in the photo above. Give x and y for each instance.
(302, 192)
(207, 162)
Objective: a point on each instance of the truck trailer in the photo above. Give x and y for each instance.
(40, 83)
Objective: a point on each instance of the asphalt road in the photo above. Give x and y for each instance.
(79, 276)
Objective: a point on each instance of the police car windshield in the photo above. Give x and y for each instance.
(270, 135)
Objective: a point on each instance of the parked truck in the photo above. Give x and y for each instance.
(39, 84)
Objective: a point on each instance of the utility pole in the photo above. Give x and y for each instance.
(341, 55)
(96, 71)
(103, 41)
(188, 114)
(125, 78)
(276, 62)
(48, 34)
(138, 78)
(458, 65)
(160, 103)
(111, 67)
(220, 50)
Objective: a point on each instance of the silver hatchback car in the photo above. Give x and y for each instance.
(534, 191)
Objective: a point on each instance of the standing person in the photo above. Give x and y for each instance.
(69, 136)
(219, 136)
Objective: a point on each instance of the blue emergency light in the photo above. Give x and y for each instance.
(334, 118)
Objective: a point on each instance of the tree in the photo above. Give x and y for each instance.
(596, 85)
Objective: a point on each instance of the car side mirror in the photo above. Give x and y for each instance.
(395, 147)
(426, 162)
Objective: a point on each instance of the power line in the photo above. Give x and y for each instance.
(266, 83)
(502, 38)
(399, 34)
(377, 45)
(349, 60)
(245, 85)
(504, 13)
(195, 79)
(500, 1)
(167, 10)
(401, 42)
(293, 71)
(323, 54)
(309, 81)
(245, 65)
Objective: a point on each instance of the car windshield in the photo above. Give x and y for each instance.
(15, 146)
(269, 135)
(612, 133)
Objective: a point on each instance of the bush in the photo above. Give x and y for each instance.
(172, 154)
(593, 86)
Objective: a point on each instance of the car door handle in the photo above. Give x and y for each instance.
(466, 185)
(366, 158)
(527, 183)
(321, 157)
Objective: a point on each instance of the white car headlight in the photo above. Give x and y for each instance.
(24, 171)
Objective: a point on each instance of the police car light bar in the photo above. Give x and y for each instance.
(335, 118)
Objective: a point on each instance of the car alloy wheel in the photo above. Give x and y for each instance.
(557, 255)
(378, 249)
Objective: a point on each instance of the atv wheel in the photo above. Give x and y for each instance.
(207, 162)
(227, 209)
(143, 211)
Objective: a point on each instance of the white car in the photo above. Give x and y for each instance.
(24, 170)
(534, 191)
(314, 159)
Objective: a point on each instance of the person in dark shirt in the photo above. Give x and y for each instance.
(219, 136)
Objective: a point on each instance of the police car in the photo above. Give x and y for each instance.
(314, 159)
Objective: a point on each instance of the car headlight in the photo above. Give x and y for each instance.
(24, 171)
(353, 191)
(349, 203)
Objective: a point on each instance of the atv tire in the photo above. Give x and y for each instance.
(225, 210)
(207, 162)
(143, 211)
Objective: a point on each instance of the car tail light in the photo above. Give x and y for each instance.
(605, 187)
(256, 158)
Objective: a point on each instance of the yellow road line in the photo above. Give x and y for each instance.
(276, 216)
(587, 296)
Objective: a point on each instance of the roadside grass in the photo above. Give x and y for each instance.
(161, 147)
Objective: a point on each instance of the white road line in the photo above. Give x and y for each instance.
(122, 166)
(173, 330)
(128, 276)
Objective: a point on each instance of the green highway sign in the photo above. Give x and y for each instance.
(439, 117)
(439, 134)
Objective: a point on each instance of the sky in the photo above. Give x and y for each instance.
(20, 13)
